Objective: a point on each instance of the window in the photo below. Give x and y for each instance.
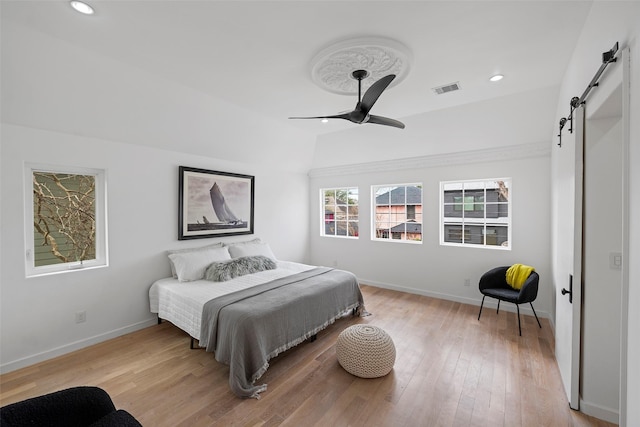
(66, 219)
(397, 212)
(476, 213)
(340, 212)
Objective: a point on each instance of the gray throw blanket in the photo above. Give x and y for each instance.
(247, 328)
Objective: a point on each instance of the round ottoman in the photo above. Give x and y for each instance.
(365, 351)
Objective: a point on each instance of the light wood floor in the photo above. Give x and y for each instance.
(450, 370)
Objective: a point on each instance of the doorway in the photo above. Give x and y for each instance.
(602, 255)
(591, 243)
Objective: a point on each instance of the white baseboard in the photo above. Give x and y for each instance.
(488, 303)
(600, 412)
(77, 345)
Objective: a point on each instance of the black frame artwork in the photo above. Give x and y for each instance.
(214, 203)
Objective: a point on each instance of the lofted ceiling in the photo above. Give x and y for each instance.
(256, 55)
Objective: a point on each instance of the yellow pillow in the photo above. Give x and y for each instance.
(517, 274)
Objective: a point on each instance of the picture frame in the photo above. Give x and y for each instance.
(214, 204)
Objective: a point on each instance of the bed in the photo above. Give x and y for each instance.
(246, 318)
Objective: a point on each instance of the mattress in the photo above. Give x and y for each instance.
(181, 303)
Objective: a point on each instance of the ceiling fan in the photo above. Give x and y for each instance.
(361, 114)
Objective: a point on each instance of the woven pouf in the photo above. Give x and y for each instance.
(366, 351)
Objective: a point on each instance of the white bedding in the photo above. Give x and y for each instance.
(181, 302)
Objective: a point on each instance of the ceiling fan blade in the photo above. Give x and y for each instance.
(345, 116)
(379, 120)
(373, 93)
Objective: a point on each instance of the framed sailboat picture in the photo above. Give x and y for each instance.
(213, 203)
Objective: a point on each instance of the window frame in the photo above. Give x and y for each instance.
(323, 219)
(101, 241)
(485, 222)
(388, 232)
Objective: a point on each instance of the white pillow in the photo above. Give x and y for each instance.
(180, 251)
(192, 265)
(251, 249)
(244, 242)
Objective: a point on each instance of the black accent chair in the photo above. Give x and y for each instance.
(74, 407)
(493, 284)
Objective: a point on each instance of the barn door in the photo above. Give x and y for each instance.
(568, 271)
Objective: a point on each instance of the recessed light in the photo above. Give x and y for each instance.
(82, 7)
(325, 120)
(496, 78)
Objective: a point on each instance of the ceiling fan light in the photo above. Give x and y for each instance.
(496, 78)
(82, 7)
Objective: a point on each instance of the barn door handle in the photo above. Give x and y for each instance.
(570, 291)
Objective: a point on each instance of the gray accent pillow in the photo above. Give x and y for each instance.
(227, 270)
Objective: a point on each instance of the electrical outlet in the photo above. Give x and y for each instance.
(615, 260)
(467, 282)
(81, 316)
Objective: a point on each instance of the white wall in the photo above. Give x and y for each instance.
(609, 22)
(50, 84)
(428, 268)
(522, 118)
(38, 314)
(66, 105)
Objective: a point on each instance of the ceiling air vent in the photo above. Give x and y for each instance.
(446, 88)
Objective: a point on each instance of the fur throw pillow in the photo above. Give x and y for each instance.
(227, 270)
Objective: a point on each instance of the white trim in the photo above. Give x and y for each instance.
(485, 222)
(373, 206)
(626, 167)
(101, 243)
(600, 412)
(489, 303)
(77, 345)
(322, 212)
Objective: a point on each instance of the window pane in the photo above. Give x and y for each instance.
(474, 234)
(398, 196)
(330, 228)
(473, 185)
(352, 196)
(339, 206)
(64, 218)
(468, 203)
(452, 186)
(341, 228)
(397, 212)
(453, 211)
(341, 197)
(453, 233)
(382, 233)
(497, 235)
(330, 197)
(467, 207)
(411, 212)
(502, 188)
(353, 213)
(452, 196)
(382, 195)
(383, 218)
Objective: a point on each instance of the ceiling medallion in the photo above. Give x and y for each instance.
(332, 68)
